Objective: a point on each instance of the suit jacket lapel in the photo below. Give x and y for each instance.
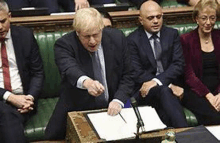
(85, 58)
(108, 52)
(17, 43)
(146, 47)
(164, 38)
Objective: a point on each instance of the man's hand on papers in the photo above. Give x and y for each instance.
(114, 108)
(94, 87)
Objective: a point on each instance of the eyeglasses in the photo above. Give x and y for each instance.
(152, 17)
(205, 18)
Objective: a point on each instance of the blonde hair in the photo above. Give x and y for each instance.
(203, 4)
(87, 19)
(4, 6)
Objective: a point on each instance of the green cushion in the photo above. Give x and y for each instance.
(171, 3)
(127, 31)
(35, 127)
(190, 118)
(52, 77)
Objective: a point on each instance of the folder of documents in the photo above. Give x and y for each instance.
(115, 128)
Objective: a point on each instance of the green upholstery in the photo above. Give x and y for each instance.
(190, 117)
(171, 3)
(35, 127)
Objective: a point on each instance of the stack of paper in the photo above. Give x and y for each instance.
(115, 128)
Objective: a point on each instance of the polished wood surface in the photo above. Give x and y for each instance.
(121, 19)
(80, 130)
(63, 141)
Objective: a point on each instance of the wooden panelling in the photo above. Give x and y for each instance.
(121, 19)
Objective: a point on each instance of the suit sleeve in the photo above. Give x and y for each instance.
(126, 83)
(141, 74)
(36, 69)
(191, 79)
(175, 68)
(65, 58)
(2, 92)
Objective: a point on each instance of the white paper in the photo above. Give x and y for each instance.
(215, 130)
(63, 13)
(109, 5)
(115, 128)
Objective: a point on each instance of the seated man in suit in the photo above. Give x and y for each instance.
(107, 19)
(94, 64)
(157, 57)
(21, 77)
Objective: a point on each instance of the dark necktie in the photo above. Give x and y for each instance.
(158, 53)
(101, 100)
(5, 66)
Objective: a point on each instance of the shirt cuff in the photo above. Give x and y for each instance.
(157, 81)
(80, 82)
(170, 85)
(6, 95)
(121, 103)
(31, 96)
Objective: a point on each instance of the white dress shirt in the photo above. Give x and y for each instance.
(102, 62)
(15, 78)
(151, 40)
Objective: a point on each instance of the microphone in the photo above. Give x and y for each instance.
(140, 122)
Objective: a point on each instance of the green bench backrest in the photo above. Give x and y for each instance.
(52, 80)
(46, 42)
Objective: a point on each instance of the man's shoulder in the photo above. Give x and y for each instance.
(136, 33)
(20, 29)
(67, 37)
(168, 30)
(112, 32)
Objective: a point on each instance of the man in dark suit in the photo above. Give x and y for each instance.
(21, 77)
(86, 86)
(158, 61)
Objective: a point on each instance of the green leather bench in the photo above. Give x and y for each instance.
(35, 127)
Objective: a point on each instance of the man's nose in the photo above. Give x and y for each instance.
(92, 40)
(155, 20)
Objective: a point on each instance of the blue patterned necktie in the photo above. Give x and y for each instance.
(101, 100)
(158, 54)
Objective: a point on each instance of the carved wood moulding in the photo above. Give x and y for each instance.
(121, 19)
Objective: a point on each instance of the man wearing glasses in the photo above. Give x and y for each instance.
(157, 57)
(94, 64)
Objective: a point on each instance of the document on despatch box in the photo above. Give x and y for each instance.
(124, 126)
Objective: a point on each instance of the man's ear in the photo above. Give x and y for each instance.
(140, 20)
(9, 15)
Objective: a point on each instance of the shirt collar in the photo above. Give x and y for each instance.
(150, 34)
(8, 36)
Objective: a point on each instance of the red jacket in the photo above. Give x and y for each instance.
(193, 58)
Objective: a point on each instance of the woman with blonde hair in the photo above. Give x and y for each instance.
(201, 49)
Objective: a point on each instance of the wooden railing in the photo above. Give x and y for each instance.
(121, 19)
